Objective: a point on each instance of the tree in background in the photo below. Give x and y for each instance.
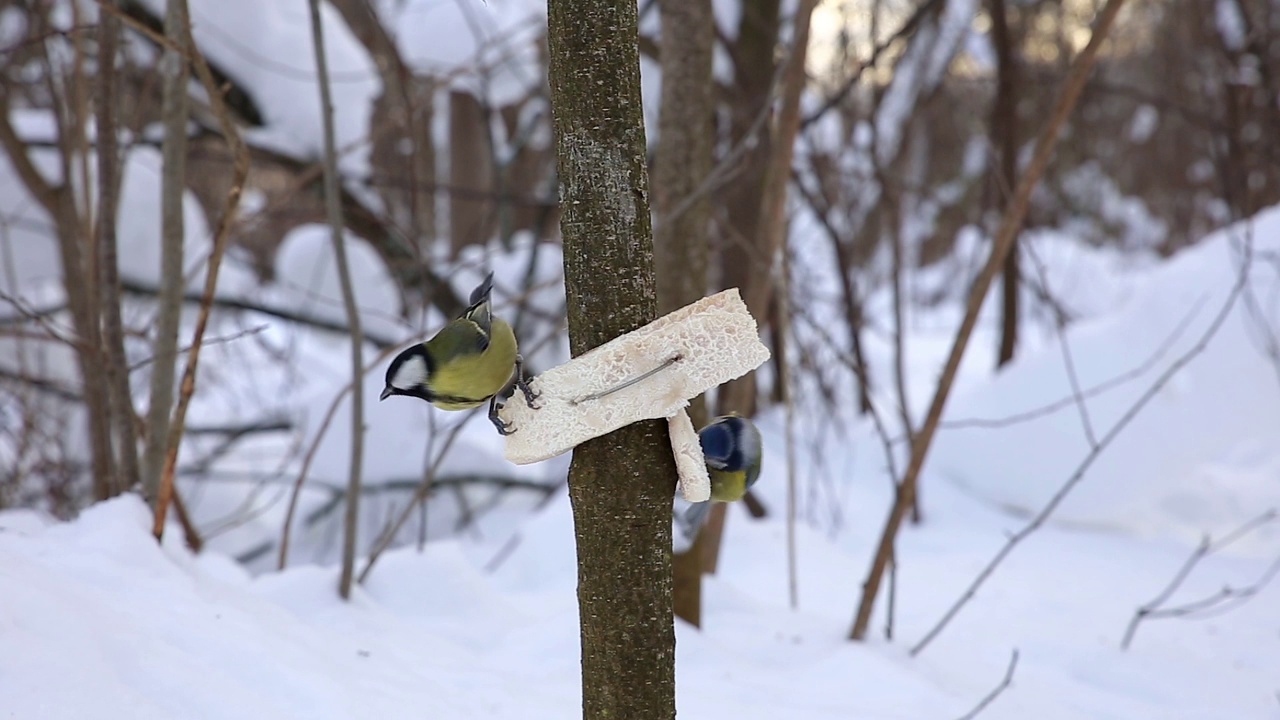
(621, 485)
(682, 207)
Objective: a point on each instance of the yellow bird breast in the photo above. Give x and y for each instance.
(464, 385)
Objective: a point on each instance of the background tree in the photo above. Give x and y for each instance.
(682, 207)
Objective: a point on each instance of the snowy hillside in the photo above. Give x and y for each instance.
(97, 622)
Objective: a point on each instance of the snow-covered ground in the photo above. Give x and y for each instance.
(98, 622)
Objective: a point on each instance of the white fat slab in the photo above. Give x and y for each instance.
(410, 374)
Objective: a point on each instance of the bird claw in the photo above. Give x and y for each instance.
(529, 394)
(504, 428)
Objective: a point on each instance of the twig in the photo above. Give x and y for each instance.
(333, 207)
(850, 83)
(1057, 405)
(419, 495)
(1096, 451)
(1153, 607)
(216, 340)
(1068, 360)
(39, 317)
(1005, 236)
(294, 316)
(220, 238)
(997, 691)
(283, 558)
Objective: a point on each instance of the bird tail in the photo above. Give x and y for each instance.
(694, 518)
(480, 309)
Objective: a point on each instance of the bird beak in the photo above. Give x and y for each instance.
(386, 393)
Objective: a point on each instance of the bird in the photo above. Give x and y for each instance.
(734, 454)
(468, 362)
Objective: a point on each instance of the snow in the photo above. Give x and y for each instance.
(1215, 421)
(484, 625)
(1144, 123)
(1229, 18)
(481, 621)
(267, 48)
(452, 39)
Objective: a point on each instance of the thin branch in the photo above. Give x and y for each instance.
(333, 208)
(1068, 360)
(1062, 403)
(420, 494)
(1152, 607)
(329, 414)
(1228, 596)
(220, 239)
(216, 340)
(1004, 240)
(908, 27)
(1095, 452)
(294, 316)
(997, 691)
(41, 189)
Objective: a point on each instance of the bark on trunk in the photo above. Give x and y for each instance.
(119, 393)
(620, 485)
(165, 346)
(1004, 131)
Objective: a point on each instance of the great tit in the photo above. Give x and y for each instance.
(734, 454)
(469, 361)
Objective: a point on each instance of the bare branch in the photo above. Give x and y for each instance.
(420, 495)
(285, 533)
(995, 692)
(1096, 451)
(1068, 360)
(1057, 405)
(333, 207)
(908, 27)
(220, 239)
(1005, 237)
(1154, 607)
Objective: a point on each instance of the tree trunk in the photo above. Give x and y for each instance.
(116, 365)
(680, 242)
(1004, 132)
(767, 236)
(165, 345)
(59, 202)
(471, 208)
(333, 210)
(741, 266)
(406, 106)
(621, 485)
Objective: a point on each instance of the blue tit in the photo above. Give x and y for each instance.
(471, 360)
(734, 454)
